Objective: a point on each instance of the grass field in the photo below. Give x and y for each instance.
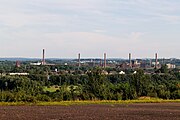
(67, 103)
(51, 89)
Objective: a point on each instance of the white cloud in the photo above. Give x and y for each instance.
(173, 19)
(92, 26)
(99, 31)
(136, 35)
(65, 44)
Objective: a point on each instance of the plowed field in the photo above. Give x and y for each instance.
(143, 111)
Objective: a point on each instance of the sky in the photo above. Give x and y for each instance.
(65, 28)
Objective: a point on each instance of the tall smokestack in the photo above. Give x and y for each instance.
(18, 64)
(79, 60)
(156, 58)
(130, 62)
(104, 60)
(43, 59)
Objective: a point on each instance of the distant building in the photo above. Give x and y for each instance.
(124, 65)
(36, 64)
(154, 63)
(122, 73)
(171, 66)
(18, 64)
(143, 65)
(135, 64)
(21, 74)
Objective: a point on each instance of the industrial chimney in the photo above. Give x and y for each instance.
(130, 62)
(43, 59)
(104, 60)
(18, 64)
(79, 60)
(156, 60)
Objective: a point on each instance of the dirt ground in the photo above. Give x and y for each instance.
(147, 111)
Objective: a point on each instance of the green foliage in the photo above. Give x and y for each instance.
(86, 84)
(164, 69)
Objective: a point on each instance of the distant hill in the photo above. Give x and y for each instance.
(29, 59)
(19, 59)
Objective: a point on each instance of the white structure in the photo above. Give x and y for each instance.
(36, 64)
(171, 66)
(154, 63)
(23, 74)
(122, 73)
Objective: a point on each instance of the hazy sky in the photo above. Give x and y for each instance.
(66, 27)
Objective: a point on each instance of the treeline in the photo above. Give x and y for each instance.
(90, 86)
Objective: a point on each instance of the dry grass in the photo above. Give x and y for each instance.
(67, 103)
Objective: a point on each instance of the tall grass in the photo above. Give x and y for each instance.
(103, 102)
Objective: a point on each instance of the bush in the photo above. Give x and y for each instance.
(40, 97)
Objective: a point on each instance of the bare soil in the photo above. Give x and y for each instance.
(143, 111)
